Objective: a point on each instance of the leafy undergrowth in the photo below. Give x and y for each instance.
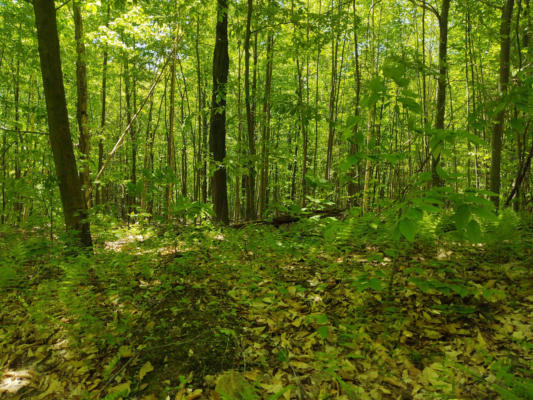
(264, 313)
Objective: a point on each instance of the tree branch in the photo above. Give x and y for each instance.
(19, 131)
(64, 4)
(429, 7)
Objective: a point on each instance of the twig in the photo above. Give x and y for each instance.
(521, 173)
(64, 4)
(429, 7)
(118, 372)
(19, 131)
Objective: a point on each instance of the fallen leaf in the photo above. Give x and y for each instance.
(145, 369)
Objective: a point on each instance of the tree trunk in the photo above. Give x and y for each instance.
(497, 132)
(217, 132)
(250, 125)
(303, 127)
(171, 156)
(441, 87)
(99, 194)
(332, 102)
(371, 112)
(200, 104)
(266, 127)
(74, 209)
(237, 211)
(353, 143)
(148, 156)
(84, 142)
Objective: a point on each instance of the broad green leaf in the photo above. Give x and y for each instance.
(462, 216)
(321, 319)
(407, 228)
(473, 231)
(323, 331)
(375, 284)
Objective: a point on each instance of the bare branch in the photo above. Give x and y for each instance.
(64, 4)
(19, 131)
(424, 4)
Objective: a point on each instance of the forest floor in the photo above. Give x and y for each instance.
(264, 313)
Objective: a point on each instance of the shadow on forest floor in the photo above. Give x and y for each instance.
(262, 313)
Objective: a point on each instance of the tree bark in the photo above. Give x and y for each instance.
(237, 212)
(84, 142)
(74, 209)
(441, 86)
(352, 187)
(217, 132)
(332, 102)
(497, 132)
(99, 194)
(250, 125)
(171, 151)
(266, 127)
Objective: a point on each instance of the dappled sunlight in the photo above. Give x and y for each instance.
(126, 241)
(11, 381)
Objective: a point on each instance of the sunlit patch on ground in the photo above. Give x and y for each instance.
(12, 381)
(119, 244)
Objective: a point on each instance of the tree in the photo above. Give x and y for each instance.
(250, 119)
(84, 142)
(74, 209)
(217, 130)
(441, 85)
(503, 82)
(171, 156)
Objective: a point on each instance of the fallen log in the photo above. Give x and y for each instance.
(283, 219)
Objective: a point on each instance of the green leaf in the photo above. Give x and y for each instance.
(407, 228)
(485, 212)
(415, 213)
(375, 284)
(283, 355)
(410, 104)
(323, 331)
(321, 319)
(473, 231)
(422, 284)
(462, 216)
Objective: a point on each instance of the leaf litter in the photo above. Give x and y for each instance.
(259, 313)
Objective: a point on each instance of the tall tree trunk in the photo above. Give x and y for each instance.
(424, 87)
(184, 97)
(303, 127)
(150, 205)
(250, 125)
(99, 194)
(353, 142)
(317, 99)
(84, 142)
(332, 102)
(200, 103)
(237, 211)
(204, 149)
(131, 97)
(217, 133)
(74, 209)
(441, 88)
(497, 132)
(18, 206)
(171, 156)
(371, 112)
(266, 127)
(148, 156)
